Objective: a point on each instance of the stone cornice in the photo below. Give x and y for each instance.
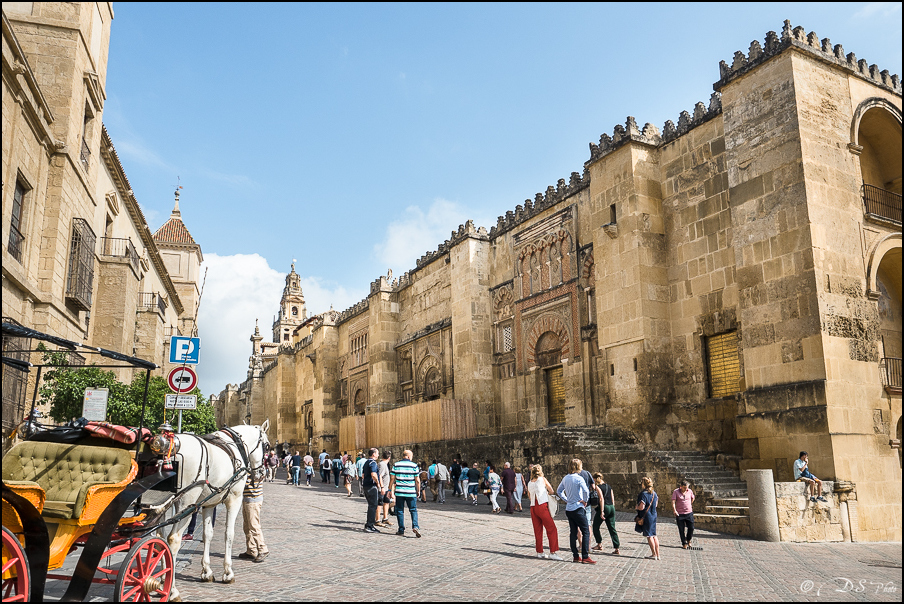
(111, 159)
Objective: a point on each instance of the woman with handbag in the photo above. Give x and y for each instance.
(542, 508)
(645, 522)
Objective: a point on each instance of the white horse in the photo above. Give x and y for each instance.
(202, 460)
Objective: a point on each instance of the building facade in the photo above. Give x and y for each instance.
(79, 260)
(729, 284)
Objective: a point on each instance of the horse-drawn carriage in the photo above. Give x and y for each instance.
(86, 487)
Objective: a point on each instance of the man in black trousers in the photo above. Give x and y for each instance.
(374, 489)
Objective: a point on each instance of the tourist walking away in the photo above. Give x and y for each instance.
(386, 499)
(296, 469)
(373, 489)
(473, 483)
(574, 491)
(337, 467)
(287, 464)
(463, 480)
(308, 471)
(425, 481)
(539, 491)
(252, 501)
(431, 474)
(802, 474)
(645, 522)
(324, 463)
(592, 502)
(604, 512)
(455, 477)
(349, 474)
(442, 479)
(682, 504)
(405, 487)
(359, 466)
(509, 482)
(494, 482)
(520, 485)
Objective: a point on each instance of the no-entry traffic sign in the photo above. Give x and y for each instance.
(182, 380)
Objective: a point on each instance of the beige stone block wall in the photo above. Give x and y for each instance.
(803, 521)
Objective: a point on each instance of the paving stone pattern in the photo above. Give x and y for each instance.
(467, 553)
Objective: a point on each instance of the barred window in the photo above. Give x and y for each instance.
(16, 239)
(81, 265)
(15, 381)
(507, 338)
(724, 364)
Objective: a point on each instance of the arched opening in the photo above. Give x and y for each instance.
(360, 402)
(888, 283)
(294, 311)
(310, 427)
(878, 136)
(433, 384)
(548, 353)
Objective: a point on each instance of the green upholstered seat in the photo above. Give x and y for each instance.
(65, 472)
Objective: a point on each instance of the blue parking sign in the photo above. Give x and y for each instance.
(184, 350)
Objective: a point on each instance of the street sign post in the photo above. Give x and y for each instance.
(94, 405)
(184, 351)
(180, 402)
(182, 380)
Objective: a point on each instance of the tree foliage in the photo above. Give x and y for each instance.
(63, 390)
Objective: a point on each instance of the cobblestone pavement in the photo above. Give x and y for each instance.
(319, 552)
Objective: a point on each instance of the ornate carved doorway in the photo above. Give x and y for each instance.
(359, 402)
(548, 353)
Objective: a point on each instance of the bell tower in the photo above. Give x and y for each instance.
(292, 311)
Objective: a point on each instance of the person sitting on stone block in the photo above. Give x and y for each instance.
(802, 473)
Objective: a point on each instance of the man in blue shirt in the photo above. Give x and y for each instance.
(406, 485)
(574, 491)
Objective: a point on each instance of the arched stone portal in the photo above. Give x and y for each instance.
(548, 353)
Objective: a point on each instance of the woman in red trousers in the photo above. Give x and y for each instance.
(539, 490)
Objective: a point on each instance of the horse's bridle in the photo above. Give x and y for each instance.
(246, 453)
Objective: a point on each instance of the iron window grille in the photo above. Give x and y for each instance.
(81, 265)
(14, 381)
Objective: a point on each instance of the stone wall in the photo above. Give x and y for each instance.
(802, 521)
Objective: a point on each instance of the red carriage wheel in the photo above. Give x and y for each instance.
(147, 572)
(16, 578)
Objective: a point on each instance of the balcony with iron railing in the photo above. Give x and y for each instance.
(16, 243)
(890, 371)
(123, 249)
(171, 330)
(151, 302)
(881, 204)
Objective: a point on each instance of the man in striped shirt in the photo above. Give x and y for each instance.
(252, 500)
(406, 485)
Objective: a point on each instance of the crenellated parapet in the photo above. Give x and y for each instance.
(687, 121)
(621, 135)
(465, 231)
(541, 202)
(353, 311)
(811, 44)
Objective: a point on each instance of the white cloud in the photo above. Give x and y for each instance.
(878, 9)
(238, 290)
(417, 232)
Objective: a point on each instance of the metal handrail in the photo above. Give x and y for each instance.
(85, 153)
(151, 301)
(881, 202)
(120, 248)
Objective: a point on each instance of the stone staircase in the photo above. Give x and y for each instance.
(721, 494)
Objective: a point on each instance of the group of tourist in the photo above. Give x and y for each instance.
(390, 488)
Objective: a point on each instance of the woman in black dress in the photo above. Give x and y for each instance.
(645, 523)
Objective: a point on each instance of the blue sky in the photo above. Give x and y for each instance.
(354, 138)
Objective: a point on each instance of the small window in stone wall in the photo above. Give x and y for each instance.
(507, 338)
(724, 364)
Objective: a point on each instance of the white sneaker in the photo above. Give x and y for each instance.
(542, 556)
(555, 557)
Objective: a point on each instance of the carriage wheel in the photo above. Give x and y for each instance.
(16, 578)
(146, 573)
